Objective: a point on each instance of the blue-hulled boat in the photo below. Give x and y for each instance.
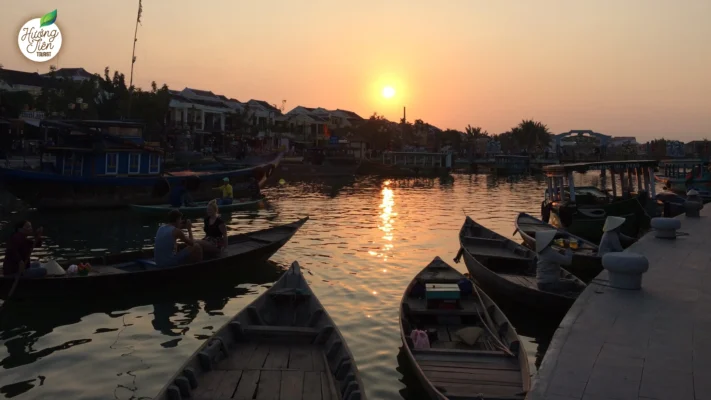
(107, 164)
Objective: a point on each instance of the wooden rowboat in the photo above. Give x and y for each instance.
(586, 263)
(495, 366)
(198, 209)
(506, 270)
(284, 345)
(136, 271)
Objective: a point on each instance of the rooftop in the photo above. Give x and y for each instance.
(596, 166)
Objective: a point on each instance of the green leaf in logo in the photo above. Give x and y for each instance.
(48, 19)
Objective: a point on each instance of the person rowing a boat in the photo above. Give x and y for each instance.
(167, 240)
(227, 194)
(215, 231)
(549, 264)
(612, 238)
(18, 251)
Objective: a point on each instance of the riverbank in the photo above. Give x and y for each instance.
(646, 344)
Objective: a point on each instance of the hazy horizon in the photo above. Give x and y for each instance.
(632, 68)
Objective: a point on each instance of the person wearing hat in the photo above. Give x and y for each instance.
(693, 195)
(227, 193)
(549, 263)
(612, 237)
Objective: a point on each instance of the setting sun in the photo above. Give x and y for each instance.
(388, 92)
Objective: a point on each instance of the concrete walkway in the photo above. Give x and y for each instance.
(654, 343)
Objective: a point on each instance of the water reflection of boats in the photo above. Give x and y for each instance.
(135, 271)
(23, 328)
(283, 343)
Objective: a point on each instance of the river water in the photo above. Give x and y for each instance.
(365, 241)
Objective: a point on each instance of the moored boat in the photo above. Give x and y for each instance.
(106, 164)
(680, 175)
(284, 345)
(136, 271)
(198, 209)
(408, 164)
(582, 210)
(474, 351)
(586, 263)
(506, 270)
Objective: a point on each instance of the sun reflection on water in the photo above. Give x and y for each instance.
(387, 217)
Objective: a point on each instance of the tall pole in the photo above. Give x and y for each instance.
(133, 56)
(404, 115)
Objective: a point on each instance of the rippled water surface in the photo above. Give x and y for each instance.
(365, 241)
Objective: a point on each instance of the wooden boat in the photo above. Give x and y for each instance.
(506, 270)
(136, 271)
(586, 263)
(198, 209)
(284, 345)
(494, 367)
(582, 210)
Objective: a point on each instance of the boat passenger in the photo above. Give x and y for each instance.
(166, 242)
(227, 193)
(549, 263)
(612, 238)
(215, 231)
(18, 251)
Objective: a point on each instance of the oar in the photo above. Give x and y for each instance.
(459, 255)
(17, 281)
(515, 232)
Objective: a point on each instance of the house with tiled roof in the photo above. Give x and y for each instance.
(20, 81)
(75, 74)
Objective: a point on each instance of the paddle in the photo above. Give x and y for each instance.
(16, 282)
(515, 232)
(459, 255)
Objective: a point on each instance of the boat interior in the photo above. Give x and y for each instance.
(473, 348)
(283, 346)
(530, 226)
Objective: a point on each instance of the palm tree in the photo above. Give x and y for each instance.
(529, 134)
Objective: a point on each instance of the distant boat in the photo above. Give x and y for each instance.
(105, 164)
(283, 345)
(407, 164)
(200, 208)
(494, 365)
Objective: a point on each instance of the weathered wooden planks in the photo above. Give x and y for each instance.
(293, 385)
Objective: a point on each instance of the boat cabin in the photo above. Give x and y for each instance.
(561, 182)
(684, 169)
(512, 163)
(100, 148)
(408, 159)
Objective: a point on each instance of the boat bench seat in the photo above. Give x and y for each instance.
(147, 262)
(281, 330)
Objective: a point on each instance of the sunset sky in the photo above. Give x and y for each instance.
(620, 67)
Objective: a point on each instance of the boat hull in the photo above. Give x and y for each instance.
(51, 191)
(217, 269)
(588, 222)
(197, 210)
(368, 167)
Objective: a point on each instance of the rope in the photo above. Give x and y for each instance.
(489, 321)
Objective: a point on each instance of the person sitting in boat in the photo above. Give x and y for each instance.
(253, 188)
(167, 239)
(227, 193)
(215, 231)
(179, 195)
(612, 238)
(549, 264)
(18, 251)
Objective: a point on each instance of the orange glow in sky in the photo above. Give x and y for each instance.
(623, 68)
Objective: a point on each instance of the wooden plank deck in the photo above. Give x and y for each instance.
(527, 281)
(268, 371)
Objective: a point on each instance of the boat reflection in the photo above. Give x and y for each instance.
(23, 329)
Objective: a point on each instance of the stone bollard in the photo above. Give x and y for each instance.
(693, 208)
(665, 228)
(625, 269)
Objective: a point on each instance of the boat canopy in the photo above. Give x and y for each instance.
(615, 166)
